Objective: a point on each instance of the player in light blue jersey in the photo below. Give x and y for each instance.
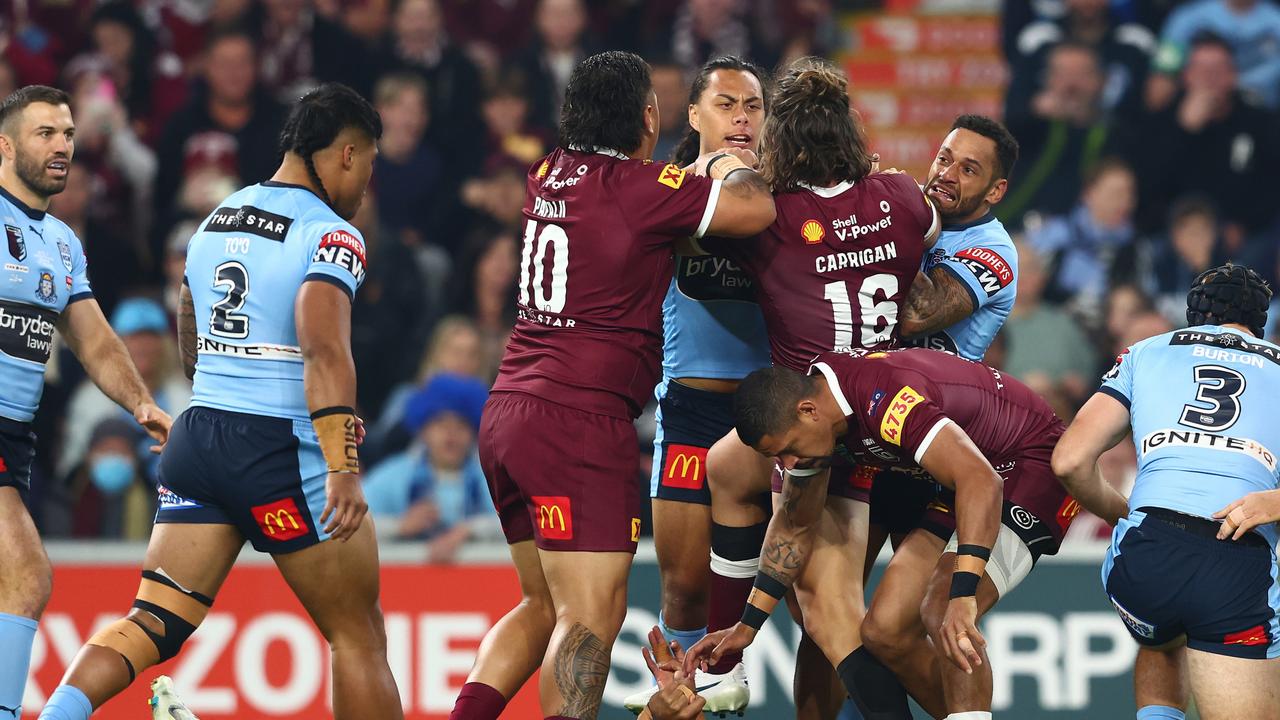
(957, 304)
(267, 450)
(46, 286)
(1201, 406)
(713, 336)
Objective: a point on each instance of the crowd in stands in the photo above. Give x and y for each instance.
(1148, 130)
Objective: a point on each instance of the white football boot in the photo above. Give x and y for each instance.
(165, 704)
(725, 693)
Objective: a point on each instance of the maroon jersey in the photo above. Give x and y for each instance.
(896, 403)
(833, 270)
(595, 265)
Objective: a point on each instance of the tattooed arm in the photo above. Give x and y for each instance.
(935, 302)
(187, 331)
(789, 539)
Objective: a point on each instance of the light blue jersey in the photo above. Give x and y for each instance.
(44, 271)
(1202, 403)
(711, 324)
(982, 256)
(244, 267)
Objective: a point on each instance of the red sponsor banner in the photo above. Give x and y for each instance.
(555, 516)
(342, 238)
(686, 466)
(257, 656)
(280, 520)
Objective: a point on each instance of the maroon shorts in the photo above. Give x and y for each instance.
(565, 478)
(1036, 506)
(847, 480)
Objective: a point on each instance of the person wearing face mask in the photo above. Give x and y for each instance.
(107, 496)
(434, 490)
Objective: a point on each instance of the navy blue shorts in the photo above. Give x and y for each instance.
(1167, 576)
(17, 451)
(264, 475)
(690, 421)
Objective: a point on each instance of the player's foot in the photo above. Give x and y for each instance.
(725, 693)
(165, 704)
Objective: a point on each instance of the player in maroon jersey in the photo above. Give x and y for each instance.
(832, 271)
(557, 442)
(984, 436)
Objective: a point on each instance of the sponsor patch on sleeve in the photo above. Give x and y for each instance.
(991, 270)
(343, 249)
(895, 417)
(1114, 372)
(671, 176)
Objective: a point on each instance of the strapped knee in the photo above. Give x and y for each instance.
(179, 612)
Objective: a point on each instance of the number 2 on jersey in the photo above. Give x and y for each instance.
(872, 312)
(552, 239)
(226, 319)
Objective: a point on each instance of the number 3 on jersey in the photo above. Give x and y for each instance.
(873, 312)
(538, 243)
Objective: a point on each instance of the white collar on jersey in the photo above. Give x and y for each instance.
(828, 192)
(600, 151)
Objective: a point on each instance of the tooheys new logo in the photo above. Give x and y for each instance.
(993, 273)
(26, 332)
(342, 249)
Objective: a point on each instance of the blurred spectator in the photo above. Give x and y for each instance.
(435, 490)
(36, 38)
(419, 43)
(486, 288)
(1251, 30)
(1125, 304)
(301, 48)
(400, 299)
(1125, 49)
(1085, 250)
(558, 46)
(506, 112)
(498, 195)
(175, 262)
(366, 19)
(109, 495)
(1212, 142)
(1046, 348)
(490, 30)
(1063, 134)
(704, 29)
(673, 106)
(1191, 248)
(145, 329)
(407, 171)
(8, 78)
(227, 110)
(798, 29)
(114, 265)
(149, 81)
(122, 168)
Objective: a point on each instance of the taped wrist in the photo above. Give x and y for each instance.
(764, 597)
(336, 428)
(972, 559)
(723, 164)
(964, 584)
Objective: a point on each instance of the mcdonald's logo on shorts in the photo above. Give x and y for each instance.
(555, 517)
(686, 467)
(280, 520)
(1069, 510)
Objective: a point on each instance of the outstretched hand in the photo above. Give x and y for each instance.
(676, 698)
(710, 649)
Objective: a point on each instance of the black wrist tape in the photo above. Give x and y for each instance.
(964, 584)
(770, 586)
(753, 617)
(977, 551)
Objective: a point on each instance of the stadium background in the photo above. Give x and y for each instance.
(1143, 161)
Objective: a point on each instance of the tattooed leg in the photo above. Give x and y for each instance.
(589, 591)
(582, 665)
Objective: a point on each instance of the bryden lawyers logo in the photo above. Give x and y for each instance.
(555, 516)
(280, 520)
(812, 232)
(686, 467)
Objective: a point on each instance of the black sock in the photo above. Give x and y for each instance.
(873, 687)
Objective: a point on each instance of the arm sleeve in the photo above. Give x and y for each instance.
(80, 289)
(336, 256)
(664, 200)
(1118, 381)
(984, 271)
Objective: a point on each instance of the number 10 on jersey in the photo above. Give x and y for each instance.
(539, 242)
